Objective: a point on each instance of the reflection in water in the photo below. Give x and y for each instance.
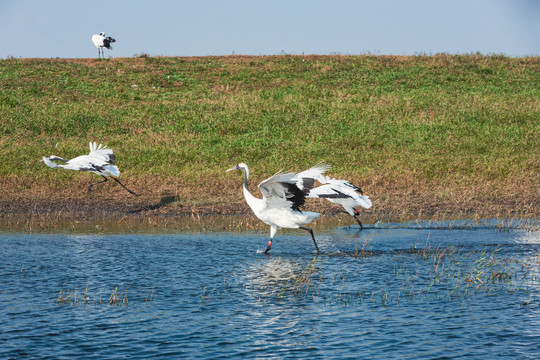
(277, 277)
(529, 237)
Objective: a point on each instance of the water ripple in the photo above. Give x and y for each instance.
(417, 293)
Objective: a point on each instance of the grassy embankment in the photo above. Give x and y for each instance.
(422, 135)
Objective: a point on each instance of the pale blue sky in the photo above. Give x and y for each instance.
(63, 28)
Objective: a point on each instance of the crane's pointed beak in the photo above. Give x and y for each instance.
(231, 169)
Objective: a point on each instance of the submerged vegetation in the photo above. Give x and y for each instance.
(416, 275)
(117, 297)
(419, 134)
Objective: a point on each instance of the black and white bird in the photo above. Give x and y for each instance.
(102, 42)
(343, 193)
(280, 206)
(99, 161)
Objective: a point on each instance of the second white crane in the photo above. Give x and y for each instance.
(343, 193)
(99, 161)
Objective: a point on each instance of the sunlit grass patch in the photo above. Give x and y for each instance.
(451, 131)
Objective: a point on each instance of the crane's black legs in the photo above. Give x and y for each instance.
(131, 192)
(99, 182)
(115, 179)
(358, 221)
(312, 236)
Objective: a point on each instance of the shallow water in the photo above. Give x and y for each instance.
(392, 291)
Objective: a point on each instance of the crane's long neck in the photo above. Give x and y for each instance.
(250, 199)
(54, 157)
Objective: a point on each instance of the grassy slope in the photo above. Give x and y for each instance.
(446, 132)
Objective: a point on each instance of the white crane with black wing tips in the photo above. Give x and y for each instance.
(280, 206)
(99, 161)
(100, 41)
(343, 193)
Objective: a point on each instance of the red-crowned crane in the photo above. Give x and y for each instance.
(280, 206)
(343, 193)
(99, 161)
(102, 42)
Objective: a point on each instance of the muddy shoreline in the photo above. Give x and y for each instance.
(169, 206)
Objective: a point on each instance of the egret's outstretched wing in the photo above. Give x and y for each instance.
(306, 179)
(101, 151)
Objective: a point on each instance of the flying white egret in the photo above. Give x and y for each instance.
(282, 200)
(343, 193)
(99, 161)
(102, 42)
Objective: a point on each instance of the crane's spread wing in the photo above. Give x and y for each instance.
(101, 151)
(340, 192)
(107, 42)
(102, 169)
(282, 187)
(327, 192)
(306, 179)
(338, 183)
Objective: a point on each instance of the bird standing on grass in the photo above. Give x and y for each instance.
(282, 200)
(343, 193)
(99, 161)
(102, 42)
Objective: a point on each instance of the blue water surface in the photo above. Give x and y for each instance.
(394, 291)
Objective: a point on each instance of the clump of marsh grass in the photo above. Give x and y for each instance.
(76, 297)
(457, 273)
(517, 224)
(421, 274)
(303, 281)
(117, 299)
(73, 297)
(206, 294)
(363, 252)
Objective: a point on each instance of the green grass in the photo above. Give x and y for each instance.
(449, 126)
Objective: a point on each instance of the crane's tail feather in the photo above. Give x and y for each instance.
(102, 151)
(364, 201)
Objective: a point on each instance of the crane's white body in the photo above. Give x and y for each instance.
(282, 199)
(100, 41)
(99, 161)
